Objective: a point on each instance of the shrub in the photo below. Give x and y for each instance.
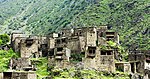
(4, 39)
(5, 57)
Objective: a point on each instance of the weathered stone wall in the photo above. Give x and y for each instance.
(74, 45)
(20, 64)
(107, 63)
(42, 40)
(79, 32)
(123, 67)
(127, 67)
(61, 57)
(136, 57)
(29, 51)
(102, 41)
(140, 67)
(51, 43)
(100, 62)
(61, 42)
(20, 75)
(82, 42)
(14, 35)
(147, 64)
(31, 75)
(89, 63)
(51, 61)
(91, 37)
(16, 45)
(15, 40)
(67, 32)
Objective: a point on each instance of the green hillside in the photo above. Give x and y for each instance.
(130, 18)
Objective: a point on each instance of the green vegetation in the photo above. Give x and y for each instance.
(5, 57)
(128, 17)
(120, 49)
(72, 73)
(41, 64)
(4, 39)
(76, 57)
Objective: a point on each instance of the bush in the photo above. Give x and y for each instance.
(76, 57)
(4, 39)
(5, 57)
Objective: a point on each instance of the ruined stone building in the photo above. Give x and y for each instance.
(139, 61)
(60, 46)
(27, 46)
(90, 43)
(21, 64)
(87, 41)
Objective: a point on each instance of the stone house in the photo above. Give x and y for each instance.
(107, 61)
(95, 57)
(59, 47)
(83, 40)
(102, 60)
(62, 57)
(20, 44)
(15, 40)
(27, 47)
(139, 61)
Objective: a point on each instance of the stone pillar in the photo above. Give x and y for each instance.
(135, 67)
(146, 76)
(1, 75)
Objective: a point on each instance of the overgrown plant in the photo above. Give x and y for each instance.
(5, 57)
(41, 64)
(4, 39)
(76, 57)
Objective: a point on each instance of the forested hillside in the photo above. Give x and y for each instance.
(130, 18)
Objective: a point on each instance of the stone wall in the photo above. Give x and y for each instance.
(73, 44)
(19, 75)
(89, 63)
(101, 62)
(1, 75)
(123, 67)
(59, 47)
(107, 63)
(82, 43)
(16, 45)
(29, 48)
(51, 43)
(91, 37)
(21, 64)
(15, 40)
